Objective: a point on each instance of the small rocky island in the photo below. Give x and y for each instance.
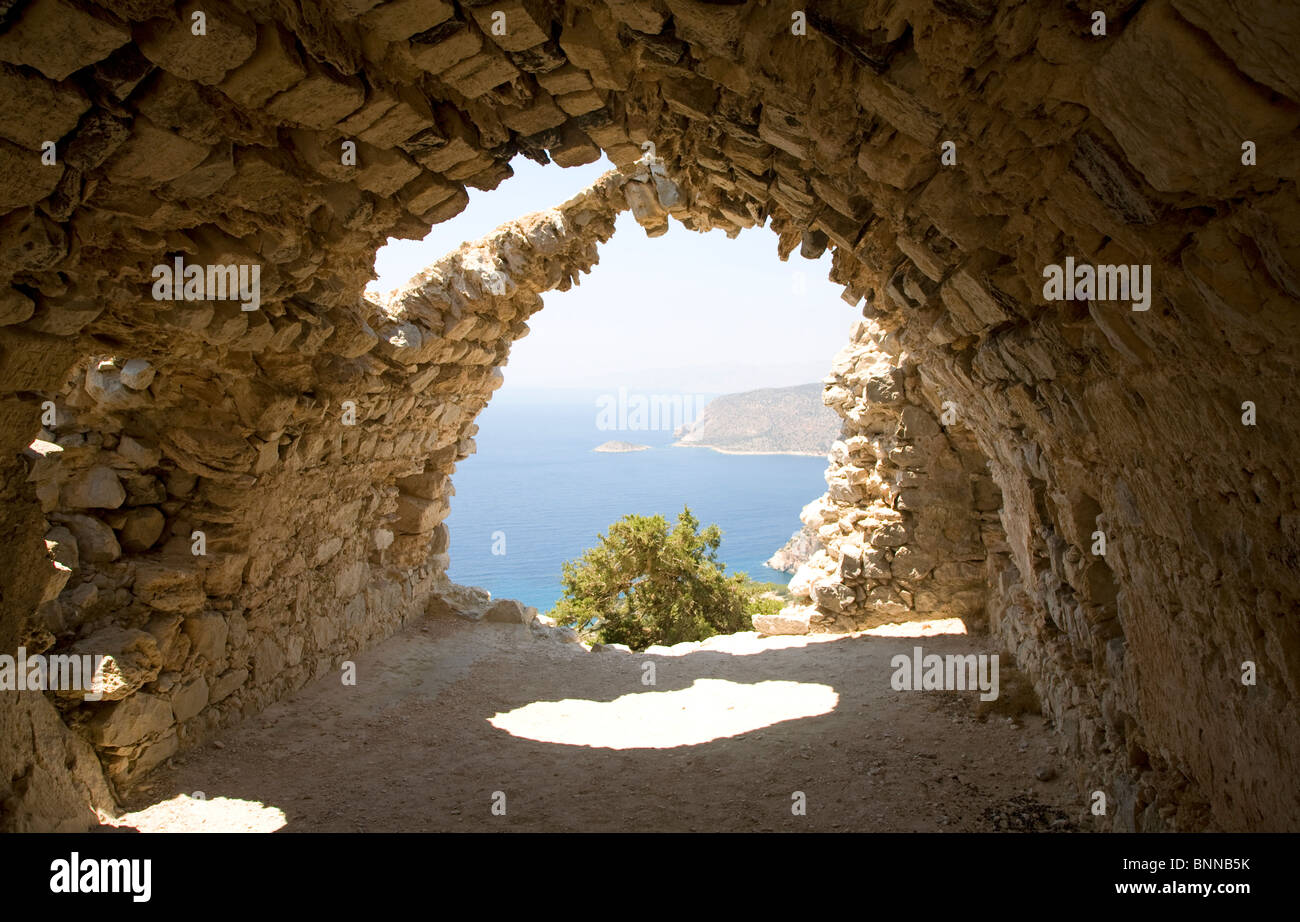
(616, 446)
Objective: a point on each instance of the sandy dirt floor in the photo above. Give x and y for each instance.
(450, 719)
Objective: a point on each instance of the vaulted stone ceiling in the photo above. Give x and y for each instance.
(948, 152)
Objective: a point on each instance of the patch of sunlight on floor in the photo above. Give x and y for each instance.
(184, 813)
(742, 643)
(710, 709)
(919, 628)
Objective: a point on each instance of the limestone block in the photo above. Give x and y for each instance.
(647, 210)
(469, 171)
(515, 25)
(480, 73)
(425, 193)
(147, 757)
(37, 110)
(352, 336)
(574, 149)
(398, 20)
(452, 141)
(273, 68)
(886, 601)
(58, 38)
(429, 485)
(444, 46)
(15, 307)
(647, 17)
(508, 611)
(383, 172)
(132, 659)
(350, 579)
(793, 619)
(131, 720)
(565, 80)
(171, 585)
(582, 43)
(409, 115)
(24, 180)
(320, 100)
(402, 342)
(96, 488)
(469, 602)
(541, 114)
(892, 97)
(416, 515)
(896, 159)
(831, 595)
(142, 529)
(208, 633)
(136, 374)
(63, 561)
(96, 542)
(172, 44)
(152, 156)
(226, 684)
(695, 98)
(189, 699)
(268, 661)
(580, 102)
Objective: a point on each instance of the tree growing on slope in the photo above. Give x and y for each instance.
(648, 583)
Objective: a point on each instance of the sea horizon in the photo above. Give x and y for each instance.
(536, 493)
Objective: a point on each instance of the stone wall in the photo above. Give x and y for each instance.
(910, 508)
(222, 560)
(232, 147)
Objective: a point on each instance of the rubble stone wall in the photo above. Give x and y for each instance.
(909, 506)
(947, 151)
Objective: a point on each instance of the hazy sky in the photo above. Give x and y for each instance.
(685, 311)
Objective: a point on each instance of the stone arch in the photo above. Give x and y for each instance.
(227, 149)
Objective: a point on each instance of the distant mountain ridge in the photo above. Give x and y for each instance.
(773, 420)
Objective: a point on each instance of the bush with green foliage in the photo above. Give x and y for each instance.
(646, 583)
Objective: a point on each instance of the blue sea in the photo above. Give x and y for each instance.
(537, 490)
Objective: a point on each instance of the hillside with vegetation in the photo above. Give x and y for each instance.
(774, 420)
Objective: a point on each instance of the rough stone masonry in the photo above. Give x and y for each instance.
(230, 501)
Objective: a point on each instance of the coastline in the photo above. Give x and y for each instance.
(733, 451)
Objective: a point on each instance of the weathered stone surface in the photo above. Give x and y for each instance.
(152, 156)
(96, 542)
(24, 179)
(509, 611)
(400, 19)
(1153, 109)
(15, 307)
(131, 659)
(97, 488)
(319, 100)
(988, 432)
(141, 530)
(515, 25)
(469, 602)
(37, 110)
(168, 585)
(227, 40)
(131, 720)
(274, 67)
(58, 37)
(190, 699)
(793, 619)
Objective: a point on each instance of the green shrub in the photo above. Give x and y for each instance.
(646, 583)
